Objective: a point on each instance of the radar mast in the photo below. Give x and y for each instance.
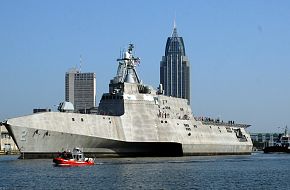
(127, 68)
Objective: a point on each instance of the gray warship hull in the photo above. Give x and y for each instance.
(132, 120)
(139, 132)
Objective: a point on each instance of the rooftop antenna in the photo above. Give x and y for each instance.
(81, 61)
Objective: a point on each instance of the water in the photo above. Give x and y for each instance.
(258, 171)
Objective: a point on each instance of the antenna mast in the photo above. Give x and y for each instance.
(81, 61)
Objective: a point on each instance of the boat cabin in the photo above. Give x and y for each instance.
(77, 154)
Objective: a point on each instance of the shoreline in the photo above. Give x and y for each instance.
(9, 153)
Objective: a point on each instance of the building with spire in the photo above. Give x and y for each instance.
(175, 68)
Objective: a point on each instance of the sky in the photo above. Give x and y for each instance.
(238, 51)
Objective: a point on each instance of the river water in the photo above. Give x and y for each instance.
(257, 171)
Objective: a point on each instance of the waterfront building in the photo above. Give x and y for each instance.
(7, 144)
(175, 68)
(260, 140)
(80, 89)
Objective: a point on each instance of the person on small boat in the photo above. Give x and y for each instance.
(65, 155)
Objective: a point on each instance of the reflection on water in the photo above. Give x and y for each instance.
(258, 171)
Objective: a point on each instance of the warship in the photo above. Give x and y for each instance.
(133, 119)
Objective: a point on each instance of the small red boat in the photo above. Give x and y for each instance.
(74, 158)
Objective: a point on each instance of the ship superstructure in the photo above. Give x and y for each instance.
(133, 120)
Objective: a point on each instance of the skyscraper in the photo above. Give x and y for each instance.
(80, 89)
(175, 68)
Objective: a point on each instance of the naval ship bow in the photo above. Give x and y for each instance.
(133, 119)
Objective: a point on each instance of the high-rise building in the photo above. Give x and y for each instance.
(80, 89)
(175, 68)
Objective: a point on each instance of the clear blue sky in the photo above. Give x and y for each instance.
(238, 50)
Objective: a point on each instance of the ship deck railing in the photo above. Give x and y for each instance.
(224, 124)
